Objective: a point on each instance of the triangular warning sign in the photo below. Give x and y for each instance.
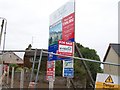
(109, 79)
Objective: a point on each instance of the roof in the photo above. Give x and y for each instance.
(31, 54)
(116, 48)
(10, 57)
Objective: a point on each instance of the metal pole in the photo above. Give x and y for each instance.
(90, 60)
(33, 65)
(84, 59)
(38, 67)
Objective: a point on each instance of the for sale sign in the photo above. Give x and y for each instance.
(65, 48)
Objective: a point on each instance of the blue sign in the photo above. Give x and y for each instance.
(68, 72)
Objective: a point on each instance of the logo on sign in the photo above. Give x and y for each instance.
(65, 48)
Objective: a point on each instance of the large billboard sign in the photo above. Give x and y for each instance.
(62, 27)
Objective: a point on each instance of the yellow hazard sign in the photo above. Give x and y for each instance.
(107, 82)
(109, 79)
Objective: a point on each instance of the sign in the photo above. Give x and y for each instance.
(50, 71)
(68, 27)
(109, 79)
(65, 48)
(62, 27)
(106, 81)
(68, 70)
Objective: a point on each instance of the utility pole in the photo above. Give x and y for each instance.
(4, 23)
(2, 28)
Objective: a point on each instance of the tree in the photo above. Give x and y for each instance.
(91, 54)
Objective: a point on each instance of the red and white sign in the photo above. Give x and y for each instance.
(65, 48)
(68, 27)
(50, 70)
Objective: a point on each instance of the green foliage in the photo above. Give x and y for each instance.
(18, 69)
(79, 70)
(26, 69)
(58, 68)
(13, 65)
(91, 54)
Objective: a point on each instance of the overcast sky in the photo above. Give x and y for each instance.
(28, 22)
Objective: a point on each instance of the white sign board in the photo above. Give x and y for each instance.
(64, 11)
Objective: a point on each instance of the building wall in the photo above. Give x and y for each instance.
(113, 58)
(11, 58)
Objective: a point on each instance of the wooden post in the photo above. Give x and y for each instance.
(12, 79)
(22, 79)
(68, 82)
(51, 83)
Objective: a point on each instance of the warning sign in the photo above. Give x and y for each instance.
(109, 79)
(106, 81)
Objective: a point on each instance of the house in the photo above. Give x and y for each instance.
(112, 55)
(11, 58)
(29, 57)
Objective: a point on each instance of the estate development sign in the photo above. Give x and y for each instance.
(61, 28)
(107, 82)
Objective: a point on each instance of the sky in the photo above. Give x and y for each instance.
(96, 23)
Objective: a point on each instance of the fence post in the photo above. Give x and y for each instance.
(51, 84)
(8, 74)
(22, 79)
(12, 78)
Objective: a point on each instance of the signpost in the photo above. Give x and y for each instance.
(107, 82)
